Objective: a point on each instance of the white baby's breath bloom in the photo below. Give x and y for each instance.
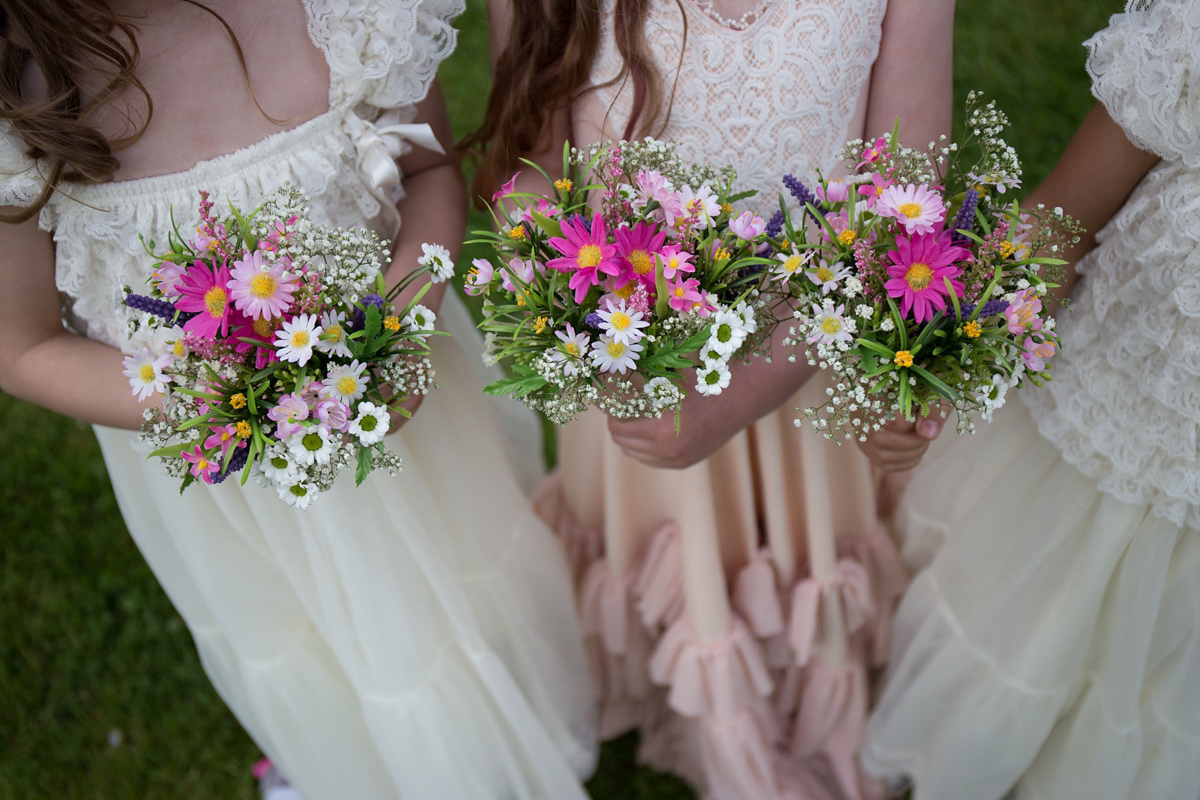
(863, 310)
(609, 355)
(662, 393)
(852, 287)
(297, 338)
(887, 324)
(332, 340)
(712, 380)
(437, 259)
(145, 373)
(312, 445)
(371, 424)
(420, 319)
(346, 382)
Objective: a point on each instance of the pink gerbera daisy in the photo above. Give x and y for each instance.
(637, 247)
(205, 291)
(919, 266)
(259, 288)
(918, 208)
(585, 253)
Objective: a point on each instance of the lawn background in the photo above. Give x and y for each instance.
(101, 694)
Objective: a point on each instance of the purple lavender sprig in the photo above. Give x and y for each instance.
(803, 194)
(990, 309)
(775, 225)
(594, 321)
(236, 462)
(159, 308)
(965, 218)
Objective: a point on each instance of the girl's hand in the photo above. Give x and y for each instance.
(901, 444)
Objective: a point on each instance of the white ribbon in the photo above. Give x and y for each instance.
(378, 144)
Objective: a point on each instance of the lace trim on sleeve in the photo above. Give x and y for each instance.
(382, 53)
(1145, 69)
(20, 180)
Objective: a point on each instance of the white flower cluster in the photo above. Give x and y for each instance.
(408, 376)
(730, 329)
(657, 155)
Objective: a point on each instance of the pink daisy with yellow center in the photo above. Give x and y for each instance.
(585, 252)
(205, 290)
(637, 247)
(918, 208)
(920, 265)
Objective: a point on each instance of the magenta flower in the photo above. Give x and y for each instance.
(919, 265)
(874, 152)
(202, 466)
(585, 253)
(684, 295)
(835, 192)
(874, 189)
(287, 414)
(507, 188)
(544, 207)
(747, 225)
(205, 291)
(259, 288)
(675, 260)
(637, 247)
(223, 436)
(260, 330)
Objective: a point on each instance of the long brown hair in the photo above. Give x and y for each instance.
(66, 39)
(549, 55)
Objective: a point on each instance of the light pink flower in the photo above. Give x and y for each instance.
(334, 415)
(1038, 348)
(1022, 312)
(261, 289)
(479, 277)
(166, 278)
(835, 192)
(287, 414)
(918, 208)
(544, 207)
(747, 225)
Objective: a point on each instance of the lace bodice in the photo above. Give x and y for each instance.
(1124, 405)
(382, 56)
(777, 97)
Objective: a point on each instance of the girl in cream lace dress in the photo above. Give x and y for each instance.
(1053, 644)
(410, 638)
(735, 607)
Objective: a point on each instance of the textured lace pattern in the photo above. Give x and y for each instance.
(1145, 68)
(779, 94)
(380, 54)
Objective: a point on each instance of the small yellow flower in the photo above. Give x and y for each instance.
(903, 358)
(1006, 249)
(520, 299)
(238, 400)
(847, 237)
(563, 185)
(392, 323)
(540, 324)
(517, 232)
(973, 329)
(243, 429)
(785, 246)
(727, 208)
(722, 254)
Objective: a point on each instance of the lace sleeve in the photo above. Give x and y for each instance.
(383, 53)
(1145, 69)
(20, 181)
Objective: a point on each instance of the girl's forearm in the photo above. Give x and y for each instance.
(433, 211)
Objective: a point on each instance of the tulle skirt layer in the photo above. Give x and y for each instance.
(1053, 641)
(411, 638)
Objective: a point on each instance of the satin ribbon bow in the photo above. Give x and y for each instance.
(378, 144)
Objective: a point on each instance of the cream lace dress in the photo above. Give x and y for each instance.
(412, 638)
(1054, 641)
(734, 608)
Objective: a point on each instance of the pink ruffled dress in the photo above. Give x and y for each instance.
(735, 609)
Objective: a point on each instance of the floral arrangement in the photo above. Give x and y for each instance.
(916, 283)
(636, 265)
(282, 351)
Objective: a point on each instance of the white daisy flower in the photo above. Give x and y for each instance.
(749, 319)
(278, 464)
(573, 347)
(827, 275)
(701, 203)
(830, 325)
(371, 424)
(437, 258)
(609, 355)
(346, 383)
(313, 445)
(711, 356)
(297, 338)
(791, 264)
(333, 334)
(623, 324)
(145, 373)
(727, 332)
(712, 380)
(419, 319)
(300, 494)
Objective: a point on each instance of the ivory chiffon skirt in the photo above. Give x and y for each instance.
(734, 609)
(1052, 643)
(411, 638)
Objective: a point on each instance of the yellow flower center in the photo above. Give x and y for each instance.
(347, 384)
(626, 291)
(146, 373)
(264, 326)
(824, 274)
(1006, 249)
(590, 255)
(642, 263)
(263, 285)
(214, 301)
(831, 325)
(243, 429)
(619, 320)
(903, 358)
(616, 349)
(572, 349)
(238, 400)
(335, 333)
(300, 339)
(202, 464)
(679, 291)
(910, 210)
(792, 264)
(919, 276)
(178, 348)
(973, 329)
(847, 237)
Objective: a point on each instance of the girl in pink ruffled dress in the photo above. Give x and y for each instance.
(735, 582)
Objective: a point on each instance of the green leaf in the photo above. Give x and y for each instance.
(937, 383)
(551, 227)
(364, 465)
(901, 328)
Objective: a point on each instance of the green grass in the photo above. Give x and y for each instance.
(89, 645)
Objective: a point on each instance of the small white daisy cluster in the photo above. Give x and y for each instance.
(730, 329)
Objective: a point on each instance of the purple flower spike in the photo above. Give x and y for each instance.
(965, 218)
(236, 462)
(159, 308)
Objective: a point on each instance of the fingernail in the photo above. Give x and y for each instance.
(928, 428)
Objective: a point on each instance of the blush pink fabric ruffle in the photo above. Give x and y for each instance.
(768, 712)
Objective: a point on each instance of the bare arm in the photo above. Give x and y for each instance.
(40, 361)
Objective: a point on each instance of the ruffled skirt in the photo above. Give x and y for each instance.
(735, 609)
(1053, 642)
(411, 638)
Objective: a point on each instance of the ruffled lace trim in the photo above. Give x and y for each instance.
(1145, 69)
(761, 714)
(1124, 406)
(20, 181)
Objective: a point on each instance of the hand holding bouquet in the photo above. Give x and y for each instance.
(283, 351)
(915, 283)
(635, 266)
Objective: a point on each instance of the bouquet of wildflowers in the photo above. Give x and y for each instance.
(636, 265)
(916, 283)
(283, 351)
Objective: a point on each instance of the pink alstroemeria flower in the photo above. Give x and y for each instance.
(334, 415)
(585, 253)
(225, 437)
(206, 292)
(479, 277)
(1022, 312)
(873, 152)
(684, 295)
(507, 188)
(919, 265)
(202, 466)
(1038, 348)
(675, 260)
(287, 414)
